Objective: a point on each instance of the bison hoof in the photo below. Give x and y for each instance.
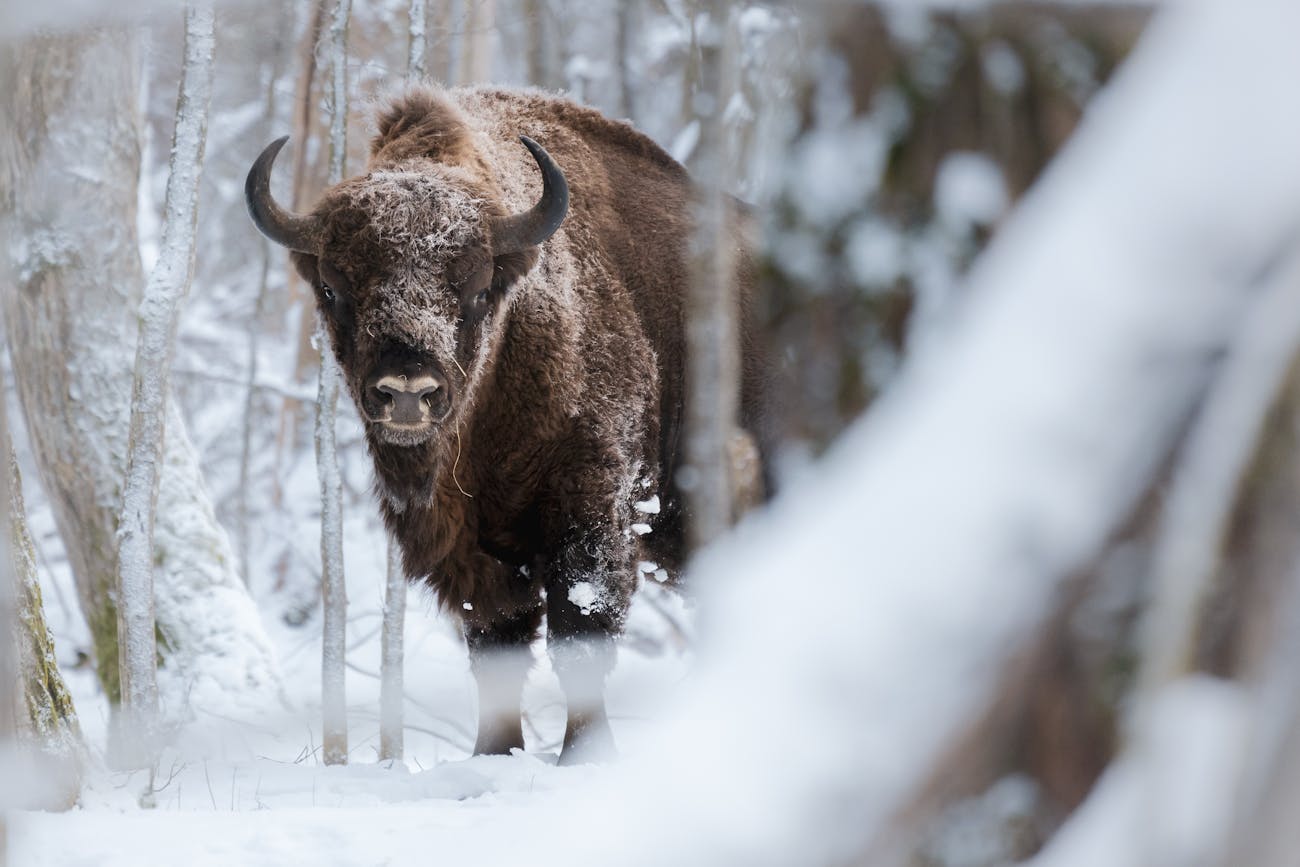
(498, 742)
(588, 742)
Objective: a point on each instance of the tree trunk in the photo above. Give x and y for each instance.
(50, 719)
(168, 284)
(75, 266)
(476, 56)
(390, 684)
(416, 48)
(334, 590)
(626, 48)
(712, 347)
(9, 683)
(44, 717)
(269, 254)
(535, 39)
(306, 178)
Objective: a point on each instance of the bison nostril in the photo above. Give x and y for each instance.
(426, 395)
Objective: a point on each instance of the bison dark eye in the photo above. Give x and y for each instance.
(328, 294)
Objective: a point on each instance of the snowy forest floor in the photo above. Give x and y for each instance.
(267, 812)
(255, 791)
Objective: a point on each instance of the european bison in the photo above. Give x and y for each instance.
(518, 368)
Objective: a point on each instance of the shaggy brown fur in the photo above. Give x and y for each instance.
(565, 379)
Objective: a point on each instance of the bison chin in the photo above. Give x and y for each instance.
(403, 434)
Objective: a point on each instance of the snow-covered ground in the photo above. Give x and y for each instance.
(254, 790)
(265, 812)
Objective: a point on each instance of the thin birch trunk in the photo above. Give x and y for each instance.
(305, 179)
(301, 303)
(244, 529)
(390, 666)
(334, 591)
(712, 349)
(417, 48)
(390, 671)
(168, 284)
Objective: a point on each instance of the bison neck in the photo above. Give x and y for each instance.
(459, 508)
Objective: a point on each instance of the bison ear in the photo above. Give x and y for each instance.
(509, 267)
(307, 266)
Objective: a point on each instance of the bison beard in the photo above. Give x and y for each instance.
(516, 356)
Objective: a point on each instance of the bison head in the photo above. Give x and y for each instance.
(410, 266)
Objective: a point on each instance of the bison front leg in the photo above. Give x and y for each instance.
(586, 603)
(499, 658)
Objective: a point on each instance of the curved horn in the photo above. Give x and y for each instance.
(283, 227)
(521, 231)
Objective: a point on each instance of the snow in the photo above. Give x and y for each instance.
(584, 595)
(969, 190)
(266, 813)
(992, 471)
(1002, 68)
(648, 507)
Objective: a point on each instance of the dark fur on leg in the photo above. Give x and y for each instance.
(500, 659)
(580, 642)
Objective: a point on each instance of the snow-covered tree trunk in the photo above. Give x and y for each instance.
(391, 656)
(69, 182)
(270, 254)
(168, 284)
(8, 654)
(334, 591)
(416, 49)
(712, 348)
(45, 718)
(8, 619)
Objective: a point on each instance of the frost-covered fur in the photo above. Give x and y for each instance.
(566, 384)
